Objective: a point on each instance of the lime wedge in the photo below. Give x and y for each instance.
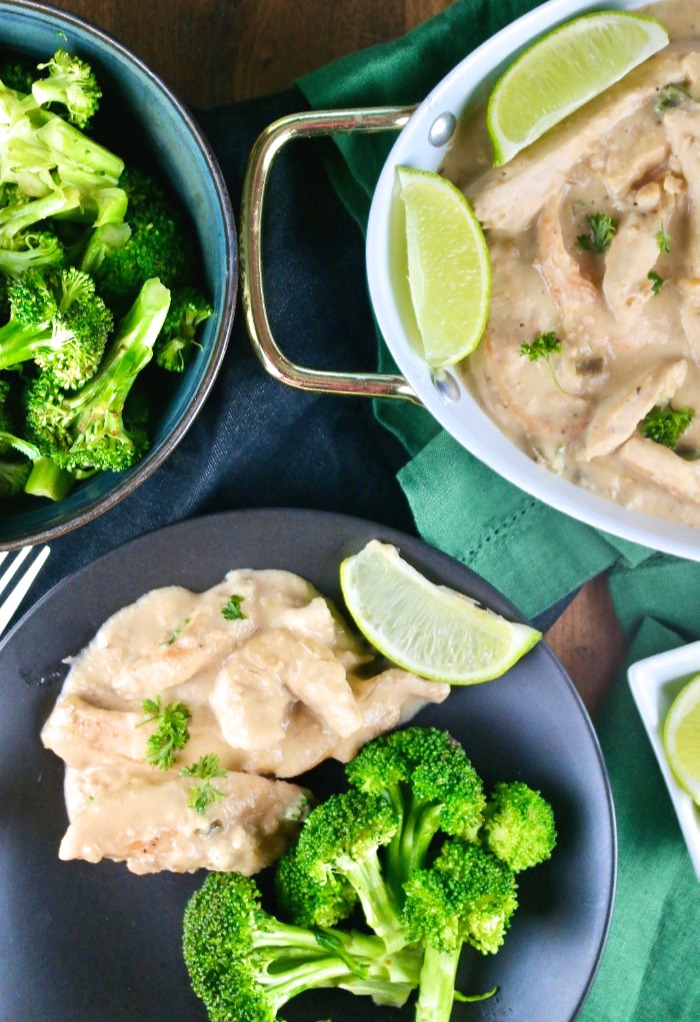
(562, 71)
(449, 272)
(427, 629)
(681, 738)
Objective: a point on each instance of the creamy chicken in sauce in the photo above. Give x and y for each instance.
(272, 693)
(623, 323)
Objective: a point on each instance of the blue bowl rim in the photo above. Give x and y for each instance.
(152, 460)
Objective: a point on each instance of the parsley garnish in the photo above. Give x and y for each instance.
(544, 345)
(663, 239)
(176, 632)
(205, 794)
(601, 230)
(657, 282)
(665, 425)
(171, 733)
(232, 610)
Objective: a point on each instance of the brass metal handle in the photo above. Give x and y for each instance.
(303, 125)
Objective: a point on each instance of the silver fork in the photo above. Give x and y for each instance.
(24, 579)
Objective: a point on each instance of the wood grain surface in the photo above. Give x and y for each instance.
(212, 52)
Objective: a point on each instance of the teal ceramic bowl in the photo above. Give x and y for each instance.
(138, 117)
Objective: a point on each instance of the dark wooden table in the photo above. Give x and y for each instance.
(212, 52)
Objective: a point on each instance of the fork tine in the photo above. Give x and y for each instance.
(16, 596)
(14, 566)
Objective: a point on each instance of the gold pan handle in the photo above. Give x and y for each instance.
(267, 146)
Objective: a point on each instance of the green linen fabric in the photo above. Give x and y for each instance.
(536, 556)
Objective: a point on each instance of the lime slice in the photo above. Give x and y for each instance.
(449, 272)
(681, 738)
(427, 629)
(562, 71)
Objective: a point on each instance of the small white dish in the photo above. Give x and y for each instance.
(654, 683)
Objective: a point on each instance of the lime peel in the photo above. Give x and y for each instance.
(449, 270)
(562, 71)
(681, 738)
(427, 629)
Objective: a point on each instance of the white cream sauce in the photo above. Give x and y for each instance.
(271, 694)
(625, 348)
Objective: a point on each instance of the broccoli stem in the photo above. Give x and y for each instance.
(320, 972)
(130, 352)
(85, 155)
(420, 825)
(437, 985)
(377, 902)
(46, 479)
(15, 218)
(20, 343)
(391, 994)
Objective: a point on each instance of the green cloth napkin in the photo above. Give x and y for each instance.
(536, 556)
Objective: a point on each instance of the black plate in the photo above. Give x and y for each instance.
(85, 943)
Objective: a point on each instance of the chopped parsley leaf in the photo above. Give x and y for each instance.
(542, 346)
(176, 632)
(657, 282)
(205, 794)
(232, 610)
(601, 230)
(171, 733)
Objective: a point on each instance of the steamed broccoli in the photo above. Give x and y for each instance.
(159, 244)
(453, 889)
(64, 198)
(13, 472)
(85, 430)
(45, 155)
(519, 826)
(31, 250)
(245, 964)
(17, 74)
(13, 476)
(20, 212)
(425, 775)
(338, 847)
(466, 896)
(188, 309)
(71, 83)
(59, 323)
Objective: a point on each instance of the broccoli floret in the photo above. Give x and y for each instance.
(58, 322)
(308, 901)
(519, 826)
(466, 896)
(85, 430)
(70, 82)
(45, 155)
(16, 455)
(18, 75)
(160, 244)
(338, 846)
(31, 250)
(189, 308)
(426, 777)
(245, 964)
